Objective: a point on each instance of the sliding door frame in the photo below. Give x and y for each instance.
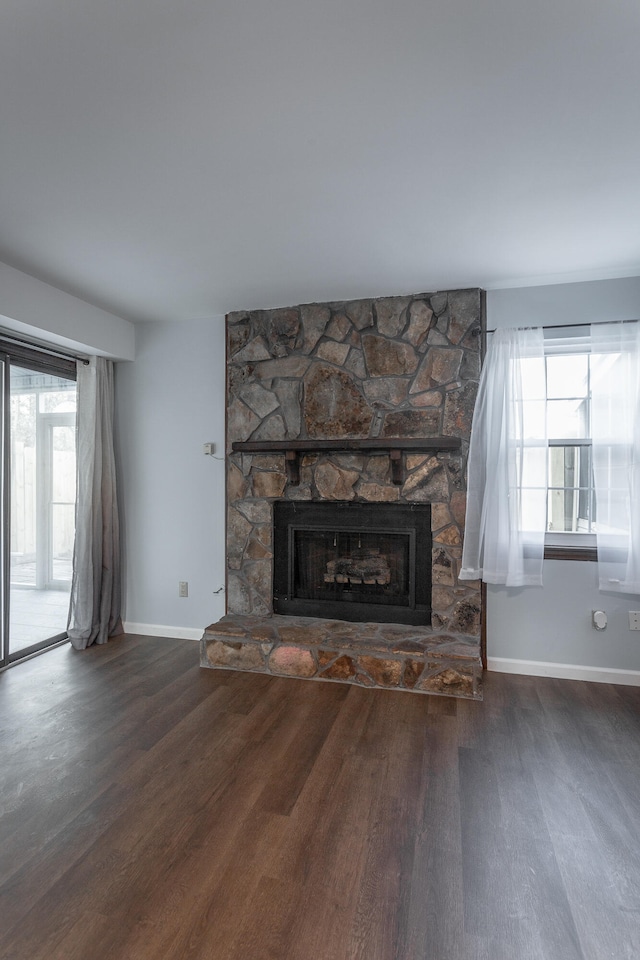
(38, 360)
(5, 506)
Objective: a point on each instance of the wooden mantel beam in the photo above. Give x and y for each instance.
(395, 447)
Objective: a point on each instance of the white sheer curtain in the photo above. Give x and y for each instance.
(94, 613)
(507, 471)
(615, 426)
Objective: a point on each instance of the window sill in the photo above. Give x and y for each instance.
(555, 552)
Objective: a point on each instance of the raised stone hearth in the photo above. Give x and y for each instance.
(398, 368)
(386, 655)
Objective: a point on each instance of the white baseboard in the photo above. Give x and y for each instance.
(564, 671)
(158, 630)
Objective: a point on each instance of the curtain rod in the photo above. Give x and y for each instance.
(568, 326)
(41, 346)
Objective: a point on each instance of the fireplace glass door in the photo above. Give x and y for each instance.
(353, 567)
(366, 562)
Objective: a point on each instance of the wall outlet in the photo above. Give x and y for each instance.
(209, 449)
(599, 619)
(634, 619)
(183, 588)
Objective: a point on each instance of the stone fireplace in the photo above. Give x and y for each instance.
(347, 434)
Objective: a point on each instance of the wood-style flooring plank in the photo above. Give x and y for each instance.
(151, 810)
(431, 920)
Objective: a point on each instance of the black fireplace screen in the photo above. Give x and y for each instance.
(351, 561)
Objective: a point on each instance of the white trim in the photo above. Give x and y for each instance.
(564, 671)
(158, 630)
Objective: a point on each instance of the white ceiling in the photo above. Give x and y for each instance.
(172, 159)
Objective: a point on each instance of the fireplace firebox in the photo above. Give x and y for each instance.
(353, 561)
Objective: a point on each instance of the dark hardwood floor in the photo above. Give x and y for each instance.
(150, 810)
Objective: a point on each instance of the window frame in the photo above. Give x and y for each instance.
(571, 545)
(36, 359)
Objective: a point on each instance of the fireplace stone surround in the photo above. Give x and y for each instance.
(401, 369)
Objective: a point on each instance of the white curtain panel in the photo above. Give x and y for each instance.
(507, 471)
(615, 417)
(94, 613)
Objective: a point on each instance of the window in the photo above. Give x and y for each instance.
(571, 506)
(570, 371)
(559, 412)
(38, 403)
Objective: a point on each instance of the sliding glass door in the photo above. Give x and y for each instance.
(38, 503)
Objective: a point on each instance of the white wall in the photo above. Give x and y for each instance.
(552, 624)
(36, 309)
(168, 404)
(589, 302)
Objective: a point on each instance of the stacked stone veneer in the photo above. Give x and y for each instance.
(398, 367)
